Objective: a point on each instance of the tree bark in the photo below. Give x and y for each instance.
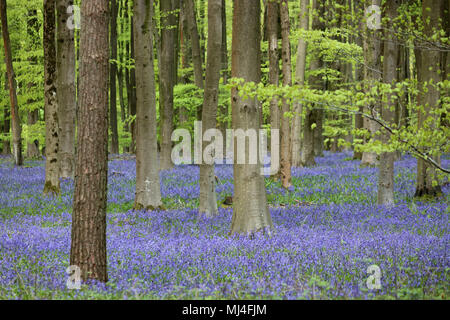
(285, 168)
(66, 93)
(148, 193)
(166, 78)
(112, 80)
(33, 113)
(372, 75)
(88, 245)
(208, 198)
(299, 80)
(15, 117)
(51, 104)
(428, 63)
(390, 54)
(195, 39)
(274, 75)
(132, 96)
(251, 212)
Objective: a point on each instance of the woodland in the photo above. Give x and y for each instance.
(224, 149)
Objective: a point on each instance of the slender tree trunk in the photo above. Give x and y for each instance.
(299, 80)
(66, 93)
(88, 245)
(208, 198)
(224, 58)
(132, 98)
(112, 80)
(15, 117)
(166, 78)
(6, 128)
(195, 39)
(312, 125)
(33, 146)
(285, 162)
(386, 165)
(428, 64)
(51, 104)
(33, 114)
(148, 193)
(372, 75)
(274, 75)
(251, 212)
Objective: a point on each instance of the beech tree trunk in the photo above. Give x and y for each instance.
(299, 80)
(274, 75)
(148, 193)
(66, 93)
(208, 198)
(112, 80)
(33, 114)
(167, 78)
(88, 245)
(51, 104)
(251, 212)
(195, 40)
(428, 64)
(15, 117)
(386, 165)
(285, 168)
(372, 74)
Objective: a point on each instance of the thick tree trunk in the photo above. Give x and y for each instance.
(274, 75)
(112, 80)
(208, 198)
(285, 161)
(299, 80)
(66, 93)
(88, 245)
(251, 212)
(166, 78)
(428, 64)
(51, 104)
(372, 75)
(15, 117)
(148, 193)
(386, 165)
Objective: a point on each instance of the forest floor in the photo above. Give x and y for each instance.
(328, 231)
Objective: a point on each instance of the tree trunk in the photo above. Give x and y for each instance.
(88, 245)
(51, 104)
(372, 75)
(195, 39)
(285, 161)
(428, 64)
(224, 58)
(148, 193)
(132, 97)
(386, 165)
(33, 113)
(299, 80)
(66, 93)
(6, 128)
(166, 78)
(15, 117)
(251, 212)
(274, 75)
(112, 80)
(208, 199)
(33, 146)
